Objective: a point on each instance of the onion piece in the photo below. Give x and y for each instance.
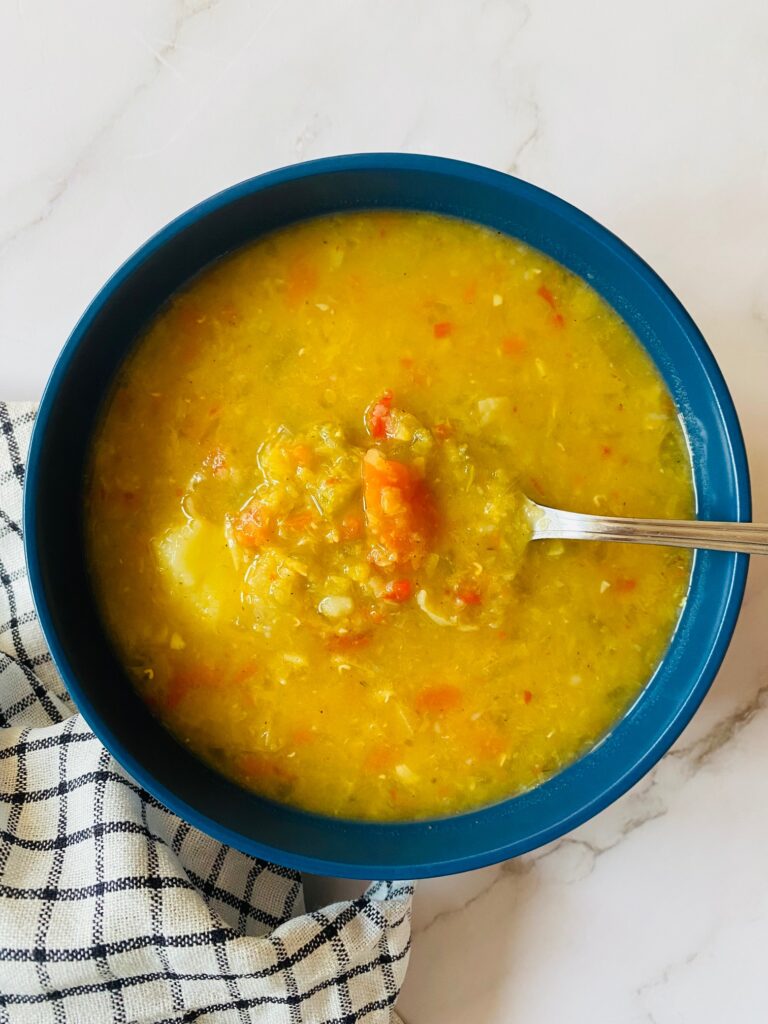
(421, 601)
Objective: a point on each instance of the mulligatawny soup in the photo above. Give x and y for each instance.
(305, 527)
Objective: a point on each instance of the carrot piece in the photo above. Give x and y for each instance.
(438, 699)
(179, 686)
(246, 671)
(251, 526)
(264, 766)
(302, 455)
(185, 681)
(299, 521)
(547, 295)
(513, 346)
(377, 417)
(381, 758)
(488, 743)
(443, 329)
(625, 586)
(347, 641)
(302, 281)
(399, 509)
(351, 526)
(398, 590)
(549, 298)
(301, 737)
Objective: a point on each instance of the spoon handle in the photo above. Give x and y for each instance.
(749, 538)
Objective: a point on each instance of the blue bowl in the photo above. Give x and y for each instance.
(54, 528)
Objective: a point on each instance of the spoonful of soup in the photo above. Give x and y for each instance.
(386, 422)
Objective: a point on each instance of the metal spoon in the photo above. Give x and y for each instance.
(552, 523)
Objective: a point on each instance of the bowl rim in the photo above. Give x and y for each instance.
(699, 685)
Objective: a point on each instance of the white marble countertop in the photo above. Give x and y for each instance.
(652, 117)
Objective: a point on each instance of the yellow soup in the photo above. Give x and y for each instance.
(305, 525)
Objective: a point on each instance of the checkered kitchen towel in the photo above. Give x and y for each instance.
(111, 907)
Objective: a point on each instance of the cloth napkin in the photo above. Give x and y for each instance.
(114, 909)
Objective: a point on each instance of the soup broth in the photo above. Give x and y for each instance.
(305, 526)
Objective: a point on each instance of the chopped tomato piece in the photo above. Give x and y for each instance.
(251, 526)
(443, 329)
(377, 418)
(399, 509)
(351, 526)
(527, 696)
(438, 699)
(468, 595)
(398, 590)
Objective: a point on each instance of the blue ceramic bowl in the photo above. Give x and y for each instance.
(65, 603)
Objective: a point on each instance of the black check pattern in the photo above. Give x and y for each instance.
(111, 907)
